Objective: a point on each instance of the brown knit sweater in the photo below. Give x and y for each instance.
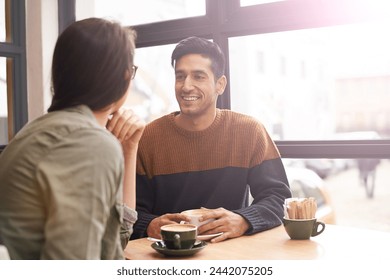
(179, 169)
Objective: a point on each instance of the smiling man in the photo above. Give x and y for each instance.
(207, 157)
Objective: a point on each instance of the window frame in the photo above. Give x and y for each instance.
(15, 52)
(66, 13)
(226, 19)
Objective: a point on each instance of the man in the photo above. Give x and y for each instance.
(206, 157)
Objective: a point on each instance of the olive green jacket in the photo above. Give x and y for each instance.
(61, 190)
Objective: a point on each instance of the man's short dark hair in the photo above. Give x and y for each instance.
(196, 45)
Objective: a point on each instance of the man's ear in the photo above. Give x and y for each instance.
(221, 85)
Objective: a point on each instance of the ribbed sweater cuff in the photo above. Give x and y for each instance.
(256, 221)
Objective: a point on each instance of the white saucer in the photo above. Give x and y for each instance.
(208, 236)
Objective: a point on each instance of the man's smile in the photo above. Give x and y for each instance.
(190, 98)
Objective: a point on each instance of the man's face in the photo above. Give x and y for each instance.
(195, 86)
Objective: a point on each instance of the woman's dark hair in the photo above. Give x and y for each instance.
(196, 45)
(92, 64)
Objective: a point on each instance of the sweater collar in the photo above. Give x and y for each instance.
(194, 134)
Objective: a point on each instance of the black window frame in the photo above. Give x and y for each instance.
(66, 13)
(15, 50)
(225, 19)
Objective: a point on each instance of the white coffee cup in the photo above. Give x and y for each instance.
(195, 214)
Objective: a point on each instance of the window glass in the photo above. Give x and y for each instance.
(153, 88)
(3, 102)
(349, 192)
(315, 84)
(2, 21)
(140, 12)
(245, 3)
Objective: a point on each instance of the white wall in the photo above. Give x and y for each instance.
(41, 35)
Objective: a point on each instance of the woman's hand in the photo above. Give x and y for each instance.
(127, 127)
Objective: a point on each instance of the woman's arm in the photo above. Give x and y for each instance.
(128, 128)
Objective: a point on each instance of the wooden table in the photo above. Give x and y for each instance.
(336, 242)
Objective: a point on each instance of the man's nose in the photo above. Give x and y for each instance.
(188, 84)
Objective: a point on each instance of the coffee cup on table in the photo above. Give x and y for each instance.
(299, 218)
(179, 236)
(195, 214)
(299, 229)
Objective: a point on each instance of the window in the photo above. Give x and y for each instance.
(13, 82)
(3, 102)
(132, 13)
(300, 35)
(349, 192)
(152, 94)
(316, 73)
(2, 21)
(351, 96)
(260, 62)
(3, 81)
(256, 2)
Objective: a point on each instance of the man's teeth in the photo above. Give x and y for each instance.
(190, 98)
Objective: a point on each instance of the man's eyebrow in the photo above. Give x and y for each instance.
(193, 72)
(199, 72)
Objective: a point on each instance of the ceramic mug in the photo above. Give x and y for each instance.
(179, 236)
(303, 228)
(195, 214)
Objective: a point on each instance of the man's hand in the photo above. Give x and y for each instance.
(155, 225)
(231, 224)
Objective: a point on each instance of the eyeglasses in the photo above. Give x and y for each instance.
(134, 71)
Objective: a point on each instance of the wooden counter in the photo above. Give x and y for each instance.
(335, 242)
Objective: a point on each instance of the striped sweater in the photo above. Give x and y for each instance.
(179, 169)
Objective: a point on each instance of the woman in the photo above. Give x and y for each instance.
(67, 179)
